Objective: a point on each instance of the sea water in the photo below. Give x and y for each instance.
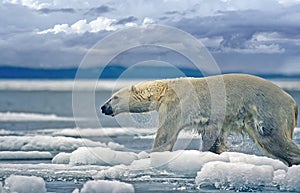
(36, 120)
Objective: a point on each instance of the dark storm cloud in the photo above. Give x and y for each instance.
(126, 20)
(238, 27)
(30, 49)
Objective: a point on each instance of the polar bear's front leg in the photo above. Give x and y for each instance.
(165, 139)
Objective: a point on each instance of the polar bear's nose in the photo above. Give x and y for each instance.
(107, 109)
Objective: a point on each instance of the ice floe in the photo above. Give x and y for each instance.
(241, 176)
(96, 156)
(102, 132)
(23, 116)
(24, 184)
(230, 170)
(47, 143)
(291, 181)
(51, 172)
(104, 186)
(65, 85)
(24, 155)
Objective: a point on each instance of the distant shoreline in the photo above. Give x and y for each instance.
(114, 72)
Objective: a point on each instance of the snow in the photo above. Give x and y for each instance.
(24, 184)
(288, 84)
(24, 155)
(46, 143)
(230, 170)
(62, 158)
(182, 135)
(291, 181)
(51, 172)
(23, 116)
(235, 157)
(6, 132)
(65, 85)
(96, 156)
(104, 186)
(184, 162)
(241, 177)
(100, 132)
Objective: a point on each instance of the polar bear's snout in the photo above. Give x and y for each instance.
(107, 109)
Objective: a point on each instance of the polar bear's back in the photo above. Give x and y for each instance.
(246, 97)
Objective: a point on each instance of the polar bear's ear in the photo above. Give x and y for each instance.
(133, 89)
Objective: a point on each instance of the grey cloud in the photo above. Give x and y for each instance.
(99, 10)
(34, 50)
(238, 27)
(63, 10)
(172, 12)
(126, 20)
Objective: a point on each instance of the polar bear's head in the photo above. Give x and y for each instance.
(134, 99)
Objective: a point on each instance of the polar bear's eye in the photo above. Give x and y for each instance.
(115, 97)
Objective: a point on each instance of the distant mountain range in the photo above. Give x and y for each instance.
(111, 72)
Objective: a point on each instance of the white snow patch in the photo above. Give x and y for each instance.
(240, 177)
(100, 132)
(51, 172)
(65, 85)
(44, 143)
(96, 156)
(6, 132)
(23, 155)
(184, 162)
(136, 169)
(24, 184)
(230, 170)
(288, 84)
(22, 116)
(279, 177)
(61, 158)
(104, 186)
(292, 179)
(235, 157)
(182, 135)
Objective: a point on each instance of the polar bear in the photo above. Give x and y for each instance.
(251, 105)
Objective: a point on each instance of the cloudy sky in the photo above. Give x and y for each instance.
(257, 36)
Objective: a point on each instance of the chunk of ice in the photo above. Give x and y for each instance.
(292, 179)
(235, 157)
(44, 143)
(101, 156)
(24, 155)
(234, 176)
(186, 162)
(24, 184)
(105, 186)
(61, 158)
